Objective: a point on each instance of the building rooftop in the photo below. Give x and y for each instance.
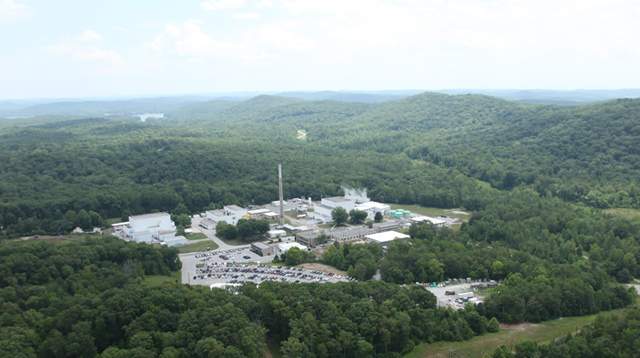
(288, 245)
(143, 232)
(337, 199)
(386, 225)
(177, 238)
(165, 232)
(260, 245)
(258, 211)
(434, 221)
(216, 212)
(308, 234)
(233, 208)
(350, 231)
(147, 216)
(387, 236)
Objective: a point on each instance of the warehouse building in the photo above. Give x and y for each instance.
(176, 241)
(262, 249)
(348, 233)
(388, 226)
(384, 238)
(229, 214)
(308, 238)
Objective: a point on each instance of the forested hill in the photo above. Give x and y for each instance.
(426, 149)
(582, 153)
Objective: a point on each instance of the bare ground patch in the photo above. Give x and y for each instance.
(323, 268)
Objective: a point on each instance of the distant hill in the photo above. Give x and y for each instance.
(345, 96)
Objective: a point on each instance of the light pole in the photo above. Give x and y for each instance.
(511, 333)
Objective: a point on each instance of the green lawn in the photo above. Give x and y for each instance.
(157, 280)
(196, 236)
(481, 345)
(198, 246)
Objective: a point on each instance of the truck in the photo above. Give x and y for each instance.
(449, 293)
(466, 295)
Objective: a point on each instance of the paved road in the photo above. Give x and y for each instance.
(211, 234)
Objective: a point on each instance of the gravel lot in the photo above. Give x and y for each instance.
(443, 300)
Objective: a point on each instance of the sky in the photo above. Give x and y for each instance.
(89, 48)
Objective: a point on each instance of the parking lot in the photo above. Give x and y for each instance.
(242, 265)
(237, 273)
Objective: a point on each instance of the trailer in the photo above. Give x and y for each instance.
(466, 295)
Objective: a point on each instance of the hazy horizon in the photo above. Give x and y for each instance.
(143, 48)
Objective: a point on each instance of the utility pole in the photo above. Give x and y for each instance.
(512, 333)
(281, 199)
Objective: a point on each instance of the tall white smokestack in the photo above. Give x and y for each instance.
(281, 199)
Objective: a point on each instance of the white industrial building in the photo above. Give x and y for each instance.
(229, 214)
(276, 233)
(284, 247)
(433, 221)
(384, 238)
(323, 210)
(372, 207)
(176, 241)
(144, 228)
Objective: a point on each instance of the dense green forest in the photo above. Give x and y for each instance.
(536, 177)
(90, 298)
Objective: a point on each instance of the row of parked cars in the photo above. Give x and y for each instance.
(241, 273)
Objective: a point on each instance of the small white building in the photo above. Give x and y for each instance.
(229, 214)
(176, 241)
(164, 235)
(258, 213)
(276, 233)
(373, 207)
(284, 247)
(433, 221)
(142, 236)
(384, 238)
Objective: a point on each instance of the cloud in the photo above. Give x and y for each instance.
(90, 35)
(95, 53)
(282, 37)
(188, 40)
(265, 4)
(99, 60)
(222, 4)
(246, 16)
(11, 12)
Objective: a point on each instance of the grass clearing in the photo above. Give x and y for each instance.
(157, 280)
(198, 246)
(481, 345)
(274, 348)
(630, 213)
(196, 236)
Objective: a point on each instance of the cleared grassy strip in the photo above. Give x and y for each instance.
(630, 213)
(198, 246)
(196, 236)
(157, 280)
(481, 345)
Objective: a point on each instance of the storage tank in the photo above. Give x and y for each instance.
(392, 212)
(407, 213)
